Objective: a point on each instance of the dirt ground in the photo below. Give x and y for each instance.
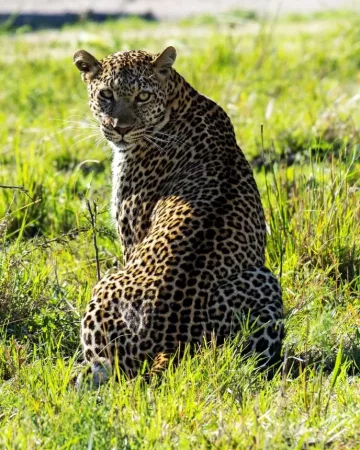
(171, 9)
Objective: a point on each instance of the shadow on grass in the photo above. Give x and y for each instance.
(295, 364)
(36, 21)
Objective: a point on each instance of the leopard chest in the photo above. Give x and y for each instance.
(133, 219)
(134, 195)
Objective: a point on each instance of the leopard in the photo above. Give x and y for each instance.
(189, 218)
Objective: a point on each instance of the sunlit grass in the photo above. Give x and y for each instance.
(291, 89)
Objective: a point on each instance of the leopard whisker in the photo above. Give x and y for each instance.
(84, 139)
(171, 139)
(147, 138)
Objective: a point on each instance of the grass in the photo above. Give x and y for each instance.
(297, 77)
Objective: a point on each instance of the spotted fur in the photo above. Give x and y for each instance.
(189, 217)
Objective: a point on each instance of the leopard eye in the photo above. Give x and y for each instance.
(143, 97)
(107, 94)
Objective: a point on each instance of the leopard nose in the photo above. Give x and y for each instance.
(123, 129)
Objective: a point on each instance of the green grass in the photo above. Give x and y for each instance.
(299, 78)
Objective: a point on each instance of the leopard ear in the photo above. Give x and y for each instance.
(163, 62)
(87, 64)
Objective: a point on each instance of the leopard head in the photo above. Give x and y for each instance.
(128, 93)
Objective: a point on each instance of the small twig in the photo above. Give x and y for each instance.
(63, 297)
(46, 242)
(85, 266)
(20, 188)
(93, 215)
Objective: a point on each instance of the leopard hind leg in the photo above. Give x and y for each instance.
(254, 297)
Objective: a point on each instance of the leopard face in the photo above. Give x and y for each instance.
(128, 93)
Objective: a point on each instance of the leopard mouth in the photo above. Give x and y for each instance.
(124, 141)
(129, 139)
(116, 138)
